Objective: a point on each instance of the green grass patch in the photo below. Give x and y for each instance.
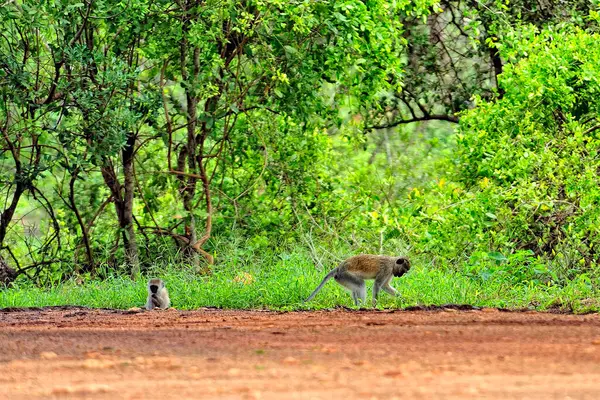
(282, 283)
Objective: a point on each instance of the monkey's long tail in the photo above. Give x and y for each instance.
(323, 282)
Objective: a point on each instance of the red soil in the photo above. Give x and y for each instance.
(443, 354)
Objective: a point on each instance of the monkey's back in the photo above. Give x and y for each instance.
(365, 265)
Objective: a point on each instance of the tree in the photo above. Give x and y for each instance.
(533, 154)
(231, 61)
(455, 55)
(31, 77)
(69, 96)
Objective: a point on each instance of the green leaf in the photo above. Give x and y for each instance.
(497, 256)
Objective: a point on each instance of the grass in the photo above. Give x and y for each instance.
(283, 281)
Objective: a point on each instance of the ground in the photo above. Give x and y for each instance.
(442, 354)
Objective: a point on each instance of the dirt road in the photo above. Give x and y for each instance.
(445, 354)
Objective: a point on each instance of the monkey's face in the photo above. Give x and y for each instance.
(402, 266)
(155, 285)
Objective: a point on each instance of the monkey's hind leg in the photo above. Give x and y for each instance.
(354, 284)
(149, 304)
(359, 296)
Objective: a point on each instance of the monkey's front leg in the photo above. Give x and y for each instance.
(390, 289)
(380, 282)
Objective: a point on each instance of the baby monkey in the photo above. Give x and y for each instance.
(157, 295)
(352, 273)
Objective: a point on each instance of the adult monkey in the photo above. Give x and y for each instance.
(351, 274)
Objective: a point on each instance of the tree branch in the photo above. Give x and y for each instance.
(592, 129)
(435, 117)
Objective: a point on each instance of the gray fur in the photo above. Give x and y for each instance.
(159, 297)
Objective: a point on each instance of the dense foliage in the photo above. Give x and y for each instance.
(533, 155)
(182, 115)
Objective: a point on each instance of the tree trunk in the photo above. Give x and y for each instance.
(190, 186)
(131, 248)
(19, 180)
(497, 63)
(8, 213)
(84, 231)
(194, 158)
(123, 199)
(7, 274)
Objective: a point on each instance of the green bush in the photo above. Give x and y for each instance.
(529, 165)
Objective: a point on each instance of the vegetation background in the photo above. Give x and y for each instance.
(240, 149)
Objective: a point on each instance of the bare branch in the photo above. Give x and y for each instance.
(437, 117)
(592, 129)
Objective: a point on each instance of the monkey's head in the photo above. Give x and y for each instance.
(154, 285)
(401, 266)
